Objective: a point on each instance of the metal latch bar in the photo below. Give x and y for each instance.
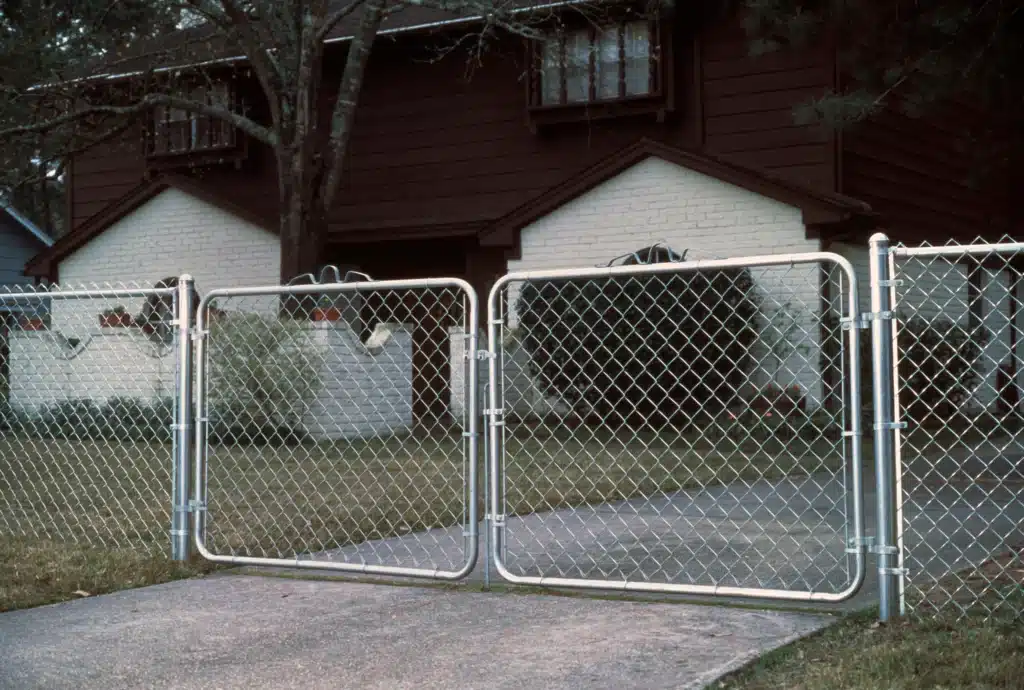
(857, 545)
(890, 426)
(893, 571)
(195, 506)
(884, 550)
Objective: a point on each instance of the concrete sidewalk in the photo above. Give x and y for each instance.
(237, 631)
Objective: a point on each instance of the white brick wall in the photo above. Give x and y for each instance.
(657, 201)
(365, 388)
(111, 363)
(171, 234)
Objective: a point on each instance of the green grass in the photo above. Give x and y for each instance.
(94, 515)
(979, 646)
(859, 654)
(35, 572)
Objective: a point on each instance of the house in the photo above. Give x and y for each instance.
(20, 240)
(670, 132)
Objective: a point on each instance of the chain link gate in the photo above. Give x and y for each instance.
(956, 414)
(681, 427)
(336, 430)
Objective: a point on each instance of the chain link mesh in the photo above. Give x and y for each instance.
(959, 376)
(334, 427)
(679, 428)
(87, 403)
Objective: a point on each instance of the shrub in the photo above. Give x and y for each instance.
(940, 366)
(658, 349)
(264, 372)
(120, 419)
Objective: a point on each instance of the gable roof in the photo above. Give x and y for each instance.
(24, 223)
(819, 208)
(43, 263)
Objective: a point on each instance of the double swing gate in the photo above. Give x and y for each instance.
(659, 425)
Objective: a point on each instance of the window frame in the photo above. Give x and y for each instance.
(209, 139)
(659, 100)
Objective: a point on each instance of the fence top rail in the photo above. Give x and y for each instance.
(13, 295)
(338, 288)
(761, 261)
(954, 250)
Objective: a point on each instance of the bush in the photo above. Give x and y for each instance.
(264, 372)
(939, 368)
(656, 350)
(120, 419)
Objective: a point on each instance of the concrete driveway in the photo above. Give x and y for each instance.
(237, 631)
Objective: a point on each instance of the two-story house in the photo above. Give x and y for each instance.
(568, 151)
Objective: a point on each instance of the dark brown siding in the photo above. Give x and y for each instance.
(917, 172)
(748, 106)
(444, 144)
(104, 174)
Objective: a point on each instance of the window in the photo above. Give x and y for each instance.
(176, 131)
(594, 65)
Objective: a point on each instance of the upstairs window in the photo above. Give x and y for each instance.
(616, 62)
(175, 131)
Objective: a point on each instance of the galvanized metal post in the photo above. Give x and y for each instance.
(180, 543)
(885, 424)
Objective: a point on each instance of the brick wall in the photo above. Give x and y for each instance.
(172, 234)
(657, 201)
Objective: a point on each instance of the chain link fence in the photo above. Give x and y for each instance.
(678, 427)
(958, 377)
(86, 415)
(335, 427)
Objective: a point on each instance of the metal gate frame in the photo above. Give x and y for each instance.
(852, 324)
(892, 548)
(470, 433)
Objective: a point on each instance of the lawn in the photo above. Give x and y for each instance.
(980, 647)
(94, 516)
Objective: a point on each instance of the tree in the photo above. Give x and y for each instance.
(911, 56)
(40, 41)
(283, 45)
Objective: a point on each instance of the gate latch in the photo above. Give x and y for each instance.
(855, 545)
(195, 506)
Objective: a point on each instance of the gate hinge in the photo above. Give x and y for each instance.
(890, 426)
(893, 571)
(497, 520)
(491, 412)
(890, 283)
(858, 545)
(198, 334)
(482, 354)
(195, 506)
(848, 323)
(884, 550)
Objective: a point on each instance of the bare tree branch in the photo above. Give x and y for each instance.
(236, 24)
(348, 94)
(253, 129)
(332, 21)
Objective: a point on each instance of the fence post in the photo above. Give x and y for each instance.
(885, 424)
(180, 542)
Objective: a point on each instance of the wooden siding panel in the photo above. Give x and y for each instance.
(105, 173)
(17, 246)
(749, 106)
(917, 172)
